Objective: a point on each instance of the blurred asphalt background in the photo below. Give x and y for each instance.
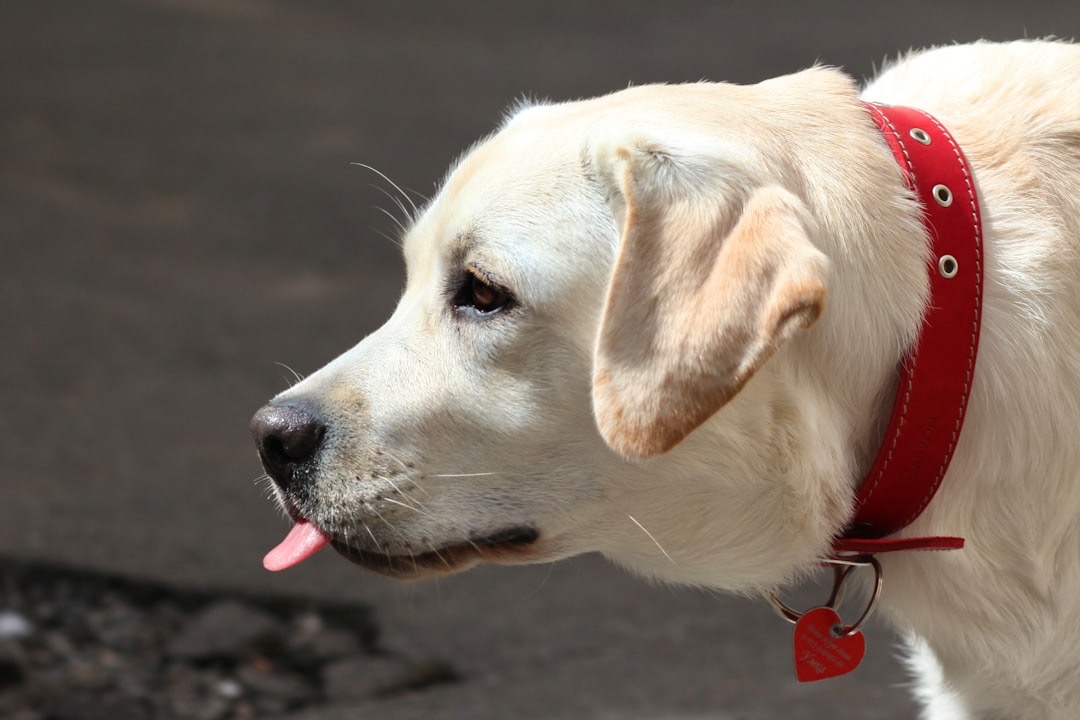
(178, 213)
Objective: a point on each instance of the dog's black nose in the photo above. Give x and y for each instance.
(286, 436)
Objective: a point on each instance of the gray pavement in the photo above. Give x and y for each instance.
(178, 213)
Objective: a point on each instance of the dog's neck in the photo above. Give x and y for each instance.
(872, 232)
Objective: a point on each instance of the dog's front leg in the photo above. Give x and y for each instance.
(940, 701)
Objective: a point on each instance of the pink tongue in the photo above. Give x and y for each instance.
(303, 541)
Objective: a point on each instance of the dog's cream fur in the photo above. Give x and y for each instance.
(659, 390)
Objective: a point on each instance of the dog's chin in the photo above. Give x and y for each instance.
(513, 546)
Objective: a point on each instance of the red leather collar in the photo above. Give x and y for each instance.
(935, 376)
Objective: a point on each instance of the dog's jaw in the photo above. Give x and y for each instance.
(508, 547)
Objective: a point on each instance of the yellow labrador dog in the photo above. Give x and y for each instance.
(665, 325)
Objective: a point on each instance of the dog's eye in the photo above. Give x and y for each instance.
(480, 295)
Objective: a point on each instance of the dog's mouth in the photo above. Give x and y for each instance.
(506, 546)
(510, 545)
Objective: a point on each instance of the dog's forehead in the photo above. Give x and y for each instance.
(526, 181)
(531, 160)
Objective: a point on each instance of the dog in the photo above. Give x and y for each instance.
(665, 325)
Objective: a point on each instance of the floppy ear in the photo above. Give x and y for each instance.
(701, 295)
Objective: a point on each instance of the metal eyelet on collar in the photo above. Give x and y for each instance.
(948, 267)
(920, 136)
(942, 195)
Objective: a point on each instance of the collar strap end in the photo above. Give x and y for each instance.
(872, 546)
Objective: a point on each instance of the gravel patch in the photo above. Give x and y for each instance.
(78, 645)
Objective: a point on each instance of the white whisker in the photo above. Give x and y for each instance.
(296, 376)
(538, 588)
(404, 505)
(389, 557)
(375, 543)
(266, 484)
(444, 560)
(386, 236)
(462, 474)
(390, 525)
(416, 211)
(650, 536)
(390, 215)
(397, 202)
(419, 505)
(405, 472)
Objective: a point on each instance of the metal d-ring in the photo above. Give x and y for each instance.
(781, 609)
(843, 567)
(875, 595)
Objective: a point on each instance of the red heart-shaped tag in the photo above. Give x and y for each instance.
(819, 653)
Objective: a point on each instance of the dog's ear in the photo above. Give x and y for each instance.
(709, 280)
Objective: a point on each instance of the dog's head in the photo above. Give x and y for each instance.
(588, 290)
